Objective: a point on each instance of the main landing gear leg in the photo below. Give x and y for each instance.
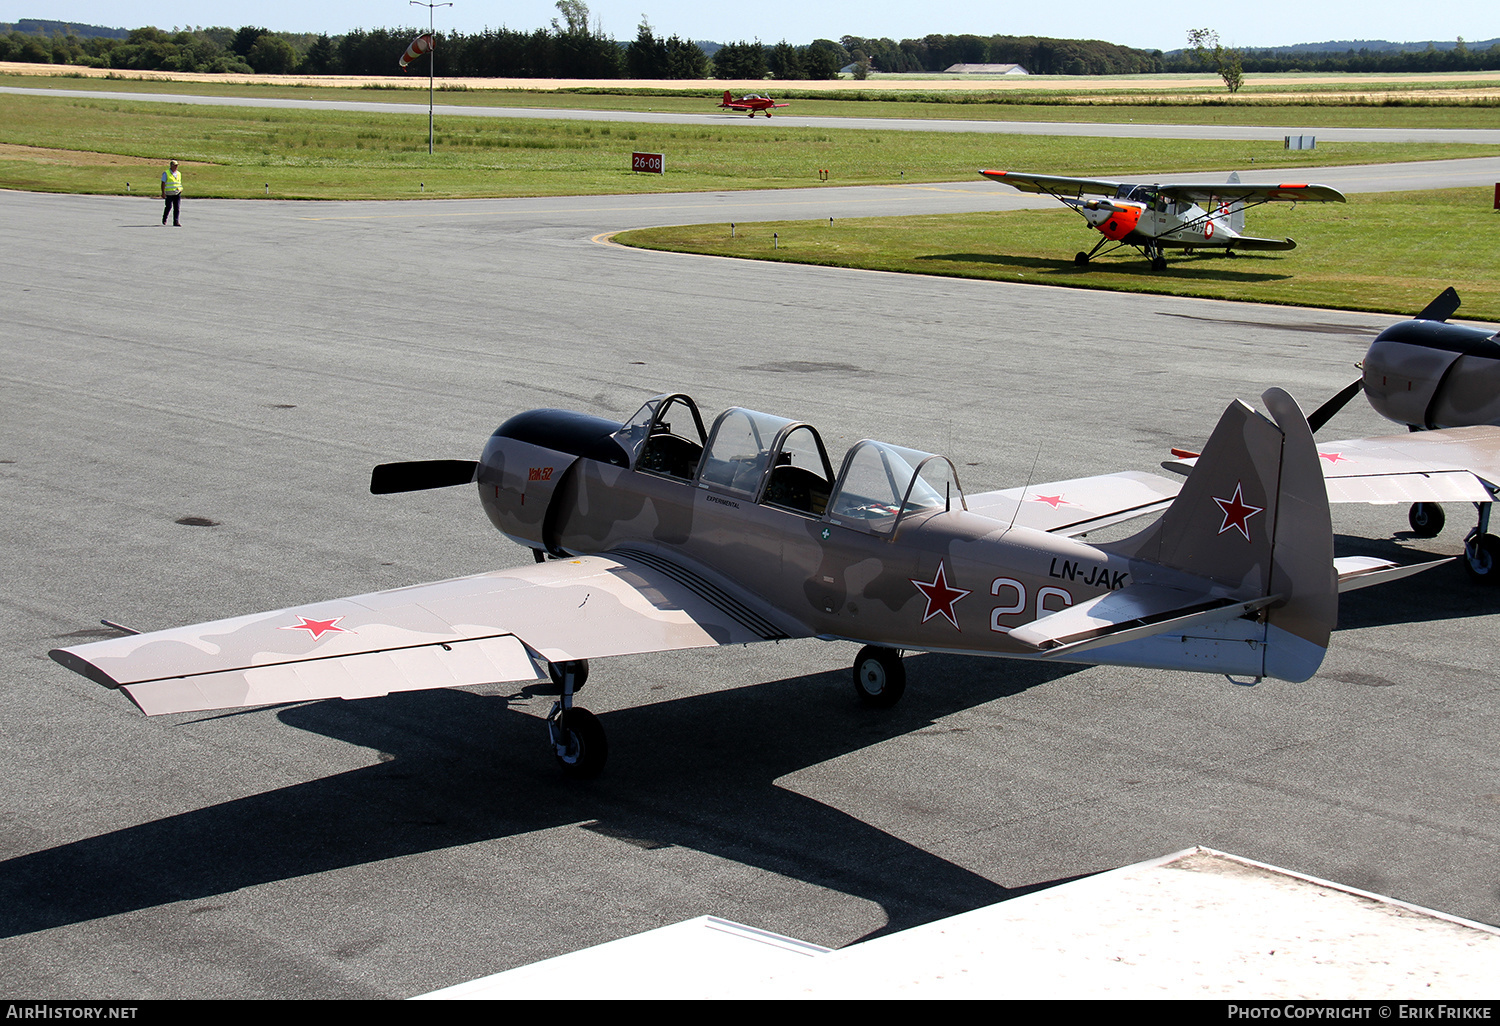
(1082, 259)
(879, 676)
(1482, 549)
(577, 737)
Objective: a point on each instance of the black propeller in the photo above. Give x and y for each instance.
(415, 476)
(1441, 308)
(1323, 414)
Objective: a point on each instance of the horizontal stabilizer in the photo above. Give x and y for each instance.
(1139, 611)
(1356, 572)
(415, 476)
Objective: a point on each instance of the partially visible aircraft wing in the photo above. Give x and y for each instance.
(1054, 185)
(491, 627)
(1082, 504)
(1448, 465)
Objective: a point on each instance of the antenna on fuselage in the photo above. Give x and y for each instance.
(1029, 474)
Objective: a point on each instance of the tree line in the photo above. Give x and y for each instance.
(573, 48)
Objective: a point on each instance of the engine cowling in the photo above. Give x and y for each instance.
(1433, 374)
(526, 462)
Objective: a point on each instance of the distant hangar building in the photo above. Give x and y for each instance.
(986, 69)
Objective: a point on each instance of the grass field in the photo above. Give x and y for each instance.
(1389, 253)
(1347, 101)
(1384, 252)
(71, 144)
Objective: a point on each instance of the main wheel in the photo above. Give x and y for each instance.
(879, 677)
(1482, 559)
(1081, 258)
(1158, 263)
(581, 747)
(1426, 519)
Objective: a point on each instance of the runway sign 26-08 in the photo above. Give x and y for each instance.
(651, 163)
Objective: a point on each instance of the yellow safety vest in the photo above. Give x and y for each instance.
(172, 182)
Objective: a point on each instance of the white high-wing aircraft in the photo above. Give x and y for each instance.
(1179, 215)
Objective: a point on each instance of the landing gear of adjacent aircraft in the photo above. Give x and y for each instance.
(576, 734)
(579, 743)
(879, 676)
(1426, 519)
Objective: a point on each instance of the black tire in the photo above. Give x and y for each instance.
(1081, 258)
(1426, 519)
(580, 668)
(879, 677)
(587, 747)
(1158, 263)
(1482, 559)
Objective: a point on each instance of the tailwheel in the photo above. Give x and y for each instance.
(578, 742)
(879, 676)
(1426, 519)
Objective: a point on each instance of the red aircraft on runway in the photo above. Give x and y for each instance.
(751, 103)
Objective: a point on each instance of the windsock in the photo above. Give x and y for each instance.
(422, 44)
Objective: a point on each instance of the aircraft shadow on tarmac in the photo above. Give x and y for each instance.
(1200, 267)
(697, 772)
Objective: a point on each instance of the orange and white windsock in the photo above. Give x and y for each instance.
(422, 44)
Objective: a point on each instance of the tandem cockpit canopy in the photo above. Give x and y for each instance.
(779, 462)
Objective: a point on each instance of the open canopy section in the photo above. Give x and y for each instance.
(882, 483)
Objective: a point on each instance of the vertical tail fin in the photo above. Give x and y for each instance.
(1236, 208)
(726, 96)
(1253, 521)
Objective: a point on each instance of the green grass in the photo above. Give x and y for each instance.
(1353, 105)
(236, 152)
(1383, 252)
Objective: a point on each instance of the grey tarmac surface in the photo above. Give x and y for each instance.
(711, 116)
(249, 368)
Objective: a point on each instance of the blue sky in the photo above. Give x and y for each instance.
(1159, 24)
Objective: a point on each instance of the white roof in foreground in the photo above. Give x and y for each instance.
(1195, 924)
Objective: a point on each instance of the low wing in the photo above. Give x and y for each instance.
(1054, 185)
(491, 627)
(1082, 504)
(1448, 465)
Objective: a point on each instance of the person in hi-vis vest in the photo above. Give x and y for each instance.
(171, 191)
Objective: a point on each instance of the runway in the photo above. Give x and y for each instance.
(711, 116)
(249, 368)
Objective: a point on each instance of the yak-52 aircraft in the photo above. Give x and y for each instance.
(752, 103)
(665, 536)
(1151, 218)
(1442, 381)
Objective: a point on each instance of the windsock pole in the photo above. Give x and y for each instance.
(431, 63)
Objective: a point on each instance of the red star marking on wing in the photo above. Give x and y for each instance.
(1334, 457)
(940, 597)
(1237, 512)
(317, 628)
(1052, 500)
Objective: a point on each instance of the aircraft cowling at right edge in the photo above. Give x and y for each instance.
(1442, 381)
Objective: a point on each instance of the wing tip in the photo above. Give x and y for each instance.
(82, 667)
